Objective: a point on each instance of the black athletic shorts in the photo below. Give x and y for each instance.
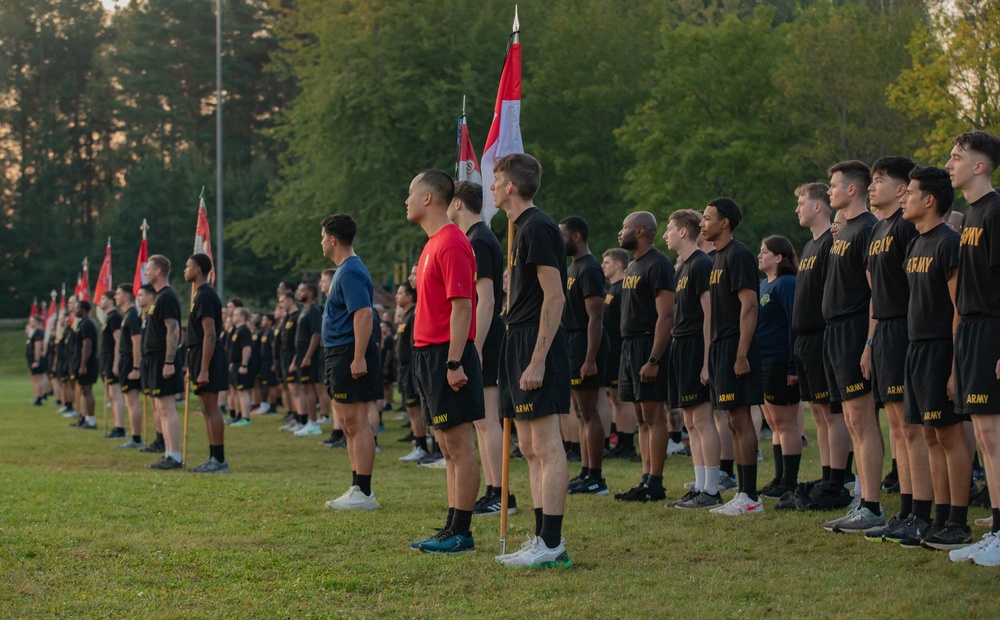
(553, 396)
(614, 364)
(217, 370)
(843, 344)
(152, 376)
(728, 391)
(268, 377)
(242, 382)
(925, 399)
(977, 348)
(577, 342)
(491, 352)
(811, 368)
(128, 385)
(685, 357)
(284, 362)
(407, 387)
(41, 369)
(447, 407)
(635, 353)
(888, 351)
(92, 375)
(312, 373)
(107, 362)
(344, 388)
(776, 388)
(62, 370)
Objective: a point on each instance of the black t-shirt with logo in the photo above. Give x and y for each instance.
(807, 313)
(131, 326)
(86, 329)
(613, 311)
(644, 278)
(265, 346)
(734, 269)
(288, 334)
(489, 259)
(584, 278)
(241, 338)
(846, 291)
(930, 259)
(886, 254)
(310, 323)
(537, 242)
(166, 306)
(206, 304)
(113, 324)
(72, 347)
(404, 336)
(978, 291)
(692, 281)
(37, 335)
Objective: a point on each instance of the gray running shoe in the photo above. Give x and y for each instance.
(166, 462)
(859, 520)
(211, 466)
(701, 501)
(726, 482)
(877, 534)
(131, 443)
(687, 497)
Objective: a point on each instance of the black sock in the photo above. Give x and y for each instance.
(654, 482)
(959, 515)
(625, 441)
(850, 461)
(551, 530)
(575, 445)
(874, 507)
(996, 521)
(645, 478)
(338, 434)
(905, 505)
(354, 478)
(676, 437)
(430, 444)
(584, 472)
(595, 474)
(942, 513)
(826, 472)
(837, 477)
(137, 438)
(120, 428)
(451, 517)
(922, 508)
(159, 438)
(538, 521)
(750, 486)
(779, 463)
(740, 479)
(975, 461)
(461, 522)
(489, 491)
(219, 452)
(365, 484)
(420, 442)
(894, 473)
(304, 419)
(791, 467)
(726, 465)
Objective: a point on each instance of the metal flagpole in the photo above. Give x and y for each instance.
(218, 151)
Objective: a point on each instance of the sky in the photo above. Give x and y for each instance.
(111, 4)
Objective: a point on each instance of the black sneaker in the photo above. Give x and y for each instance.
(877, 534)
(770, 487)
(646, 494)
(37, 402)
(829, 496)
(786, 502)
(982, 499)
(590, 486)
(407, 439)
(166, 462)
(430, 459)
(777, 491)
(908, 533)
(328, 442)
(89, 427)
(492, 506)
(701, 501)
(156, 446)
(687, 496)
(951, 536)
(116, 433)
(572, 456)
(635, 489)
(890, 484)
(340, 443)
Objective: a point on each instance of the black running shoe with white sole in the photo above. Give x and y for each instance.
(590, 486)
(951, 536)
(701, 501)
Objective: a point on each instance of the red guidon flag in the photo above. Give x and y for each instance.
(468, 167)
(82, 290)
(505, 132)
(104, 277)
(140, 262)
(34, 308)
(203, 236)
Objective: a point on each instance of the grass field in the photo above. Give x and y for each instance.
(87, 531)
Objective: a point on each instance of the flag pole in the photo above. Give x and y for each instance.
(505, 458)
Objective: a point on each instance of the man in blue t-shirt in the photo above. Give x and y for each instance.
(352, 356)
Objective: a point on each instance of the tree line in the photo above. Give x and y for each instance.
(333, 105)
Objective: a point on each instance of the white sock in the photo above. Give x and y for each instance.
(91, 420)
(174, 455)
(699, 478)
(711, 480)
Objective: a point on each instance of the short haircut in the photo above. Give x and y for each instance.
(729, 210)
(471, 195)
(126, 287)
(982, 142)
(204, 263)
(576, 225)
(161, 262)
(894, 167)
(688, 219)
(329, 272)
(84, 305)
(243, 311)
(236, 301)
(814, 191)
(312, 288)
(523, 171)
(341, 227)
(937, 183)
(854, 172)
(781, 246)
(439, 183)
(148, 288)
(108, 295)
(617, 255)
(288, 295)
(268, 316)
(285, 284)
(409, 290)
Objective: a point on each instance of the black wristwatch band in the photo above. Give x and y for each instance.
(454, 364)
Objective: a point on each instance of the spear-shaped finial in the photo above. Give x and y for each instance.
(144, 228)
(109, 241)
(85, 263)
(517, 27)
(463, 105)
(53, 295)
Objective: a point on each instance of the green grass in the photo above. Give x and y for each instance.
(87, 531)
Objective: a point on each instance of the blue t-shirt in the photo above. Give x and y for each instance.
(350, 290)
(775, 336)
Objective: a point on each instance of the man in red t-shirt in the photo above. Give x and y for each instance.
(445, 362)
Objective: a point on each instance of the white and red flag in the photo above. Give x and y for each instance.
(203, 236)
(82, 290)
(140, 262)
(34, 308)
(505, 132)
(467, 168)
(104, 283)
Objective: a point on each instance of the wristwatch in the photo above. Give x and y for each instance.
(653, 360)
(454, 364)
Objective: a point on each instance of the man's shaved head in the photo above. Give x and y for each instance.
(644, 220)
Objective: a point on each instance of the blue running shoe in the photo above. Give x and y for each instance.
(448, 542)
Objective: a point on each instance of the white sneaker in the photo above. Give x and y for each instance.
(524, 547)
(291, 427)
(740, 504)
(673, 447)
(989, 555)
(354, 499)
(415, 455)
(985, 521)
(540, 556)
(71, 414)
(261, 409)
(440, 464)
(309, 430)
(323, 420)
(966, 553)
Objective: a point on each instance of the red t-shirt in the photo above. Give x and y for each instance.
(446, 271)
